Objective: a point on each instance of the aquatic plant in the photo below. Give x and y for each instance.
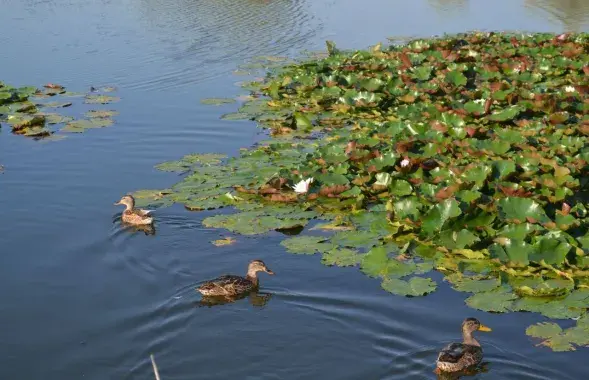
(28, 112)
(466, 154)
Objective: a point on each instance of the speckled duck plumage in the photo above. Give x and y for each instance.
(460, 356)
(232, 285)
(133, 215)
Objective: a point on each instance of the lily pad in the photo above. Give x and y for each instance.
(415, 287)
(307, 244)
(217, 101)
(101, 99)
(499, 300)
(341, 257)
(105, 114)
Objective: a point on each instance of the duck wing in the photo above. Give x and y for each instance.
(227, 284)
(453, 352)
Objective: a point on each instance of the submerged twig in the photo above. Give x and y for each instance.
(155, 371)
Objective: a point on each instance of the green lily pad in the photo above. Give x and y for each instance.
(522, 209)
(341, 257)
(79, 126)
(499, 300)
(105, 114)
(415, 287)
(307, 244)
(554, 337)
(101, 99)
(217, 101)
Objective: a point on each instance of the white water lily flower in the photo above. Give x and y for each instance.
(303, 186)
(405, 163)
(570, 89)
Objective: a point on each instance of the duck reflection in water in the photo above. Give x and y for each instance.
(148, 229)
(470, 372)
(257, 299)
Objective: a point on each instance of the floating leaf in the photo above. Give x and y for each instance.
(341, 257)
(100, 114)
(307, 244)
(101, 99)
(415, 287)
(456, 78)
(522, 209)
(79, 126)
(223, 242)
(499, 300)
(217, 101)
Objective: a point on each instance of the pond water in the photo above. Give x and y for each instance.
(82, 298)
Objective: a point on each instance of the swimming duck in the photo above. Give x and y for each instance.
(460, 356)
(231, 285)
(134, 215)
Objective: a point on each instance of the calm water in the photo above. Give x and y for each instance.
(80, 298)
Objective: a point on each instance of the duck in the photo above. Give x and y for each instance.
(132, 215)
(461, 356)
(232, 285)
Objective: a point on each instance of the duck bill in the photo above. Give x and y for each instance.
(269, 271)
(117, 203)
(484, 328)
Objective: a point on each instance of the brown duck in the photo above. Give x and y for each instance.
(133, 215)
(231, 285)
(460, 356)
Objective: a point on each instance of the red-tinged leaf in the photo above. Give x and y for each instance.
(283, 198)
(331, 191)
(268, 190)
(531, 220)
(242, 189)
(586, 70)
(566, 208)
(405, 60)
(471, 131)
(514, 42)
(415, 181)
(488, 104)
(446, 192)
(436, 125)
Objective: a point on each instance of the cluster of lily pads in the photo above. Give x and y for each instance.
(30, 111)
(465, 154)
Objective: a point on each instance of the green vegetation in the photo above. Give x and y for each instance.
(28, 112)
(465, 154)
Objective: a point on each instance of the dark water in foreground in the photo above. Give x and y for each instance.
(81, 298)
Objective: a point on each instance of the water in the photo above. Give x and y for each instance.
(81, 298)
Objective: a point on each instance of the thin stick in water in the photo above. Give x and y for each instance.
(155, 371)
